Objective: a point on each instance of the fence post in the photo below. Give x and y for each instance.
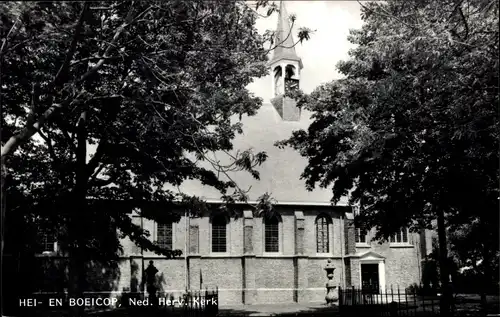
(406, 300)
(393, 309)
(415, 301)
(386, 298)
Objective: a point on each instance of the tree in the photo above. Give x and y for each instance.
(475, 247)
(125, 97)
(411, 133)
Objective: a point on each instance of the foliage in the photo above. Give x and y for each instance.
(125, 99)
(475, 247)
(413, 127)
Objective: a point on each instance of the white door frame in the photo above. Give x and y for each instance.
(374, 258)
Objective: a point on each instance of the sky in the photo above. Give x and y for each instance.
(331, 21)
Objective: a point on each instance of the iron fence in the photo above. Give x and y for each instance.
(389, 302)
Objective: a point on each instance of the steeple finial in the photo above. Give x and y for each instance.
(283, 38)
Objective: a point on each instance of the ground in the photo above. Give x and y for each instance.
(278, 310)
(466, 305)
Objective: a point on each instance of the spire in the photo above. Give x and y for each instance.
(284, 39)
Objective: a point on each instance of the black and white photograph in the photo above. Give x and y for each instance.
(250, 158)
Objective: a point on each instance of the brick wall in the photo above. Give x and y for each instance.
(316, 278)
(274, 274)
(350, 236)
(283, 277)
(224, 273)
(402, 261)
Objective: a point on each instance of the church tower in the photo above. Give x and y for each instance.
(285, 68)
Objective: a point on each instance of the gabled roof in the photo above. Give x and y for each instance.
(283, 37)
(370, 255)
(279, 174)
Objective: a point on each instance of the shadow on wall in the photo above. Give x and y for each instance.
(134, 277)
(160, 281)
(52, 275)
(102, 277)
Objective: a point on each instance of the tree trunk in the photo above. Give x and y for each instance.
(443, 266)
(3, 210)
(487, 279)
(76, 279)
(77, 225)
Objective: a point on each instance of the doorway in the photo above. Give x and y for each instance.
(369, 278)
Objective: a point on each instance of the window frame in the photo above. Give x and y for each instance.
(171, 234)
(226, 236)
(279, 231)
(329, 233)
(46, 242)
(401, 234)
(360, 232)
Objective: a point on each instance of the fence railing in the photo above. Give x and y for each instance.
(387, 302)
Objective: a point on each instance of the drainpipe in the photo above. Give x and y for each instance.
(186, 250)
(342, 233)
(143, 281)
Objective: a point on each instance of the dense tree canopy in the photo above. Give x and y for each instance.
(411, 133)
(413, 126)
(124, 97)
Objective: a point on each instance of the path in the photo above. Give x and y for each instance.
(278, 310)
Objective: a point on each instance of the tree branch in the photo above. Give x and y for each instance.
(4, 42)
(63, 70)
(102, 182)
(63, 126)
(30, 130)
(129, 20)
(99, 154)
(26, 133)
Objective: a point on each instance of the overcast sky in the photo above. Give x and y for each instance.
(332, 21)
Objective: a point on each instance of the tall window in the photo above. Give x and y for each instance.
(164, 235)
(400, 237)
(271, 234)
(219, 224)
(361, 235)
(289, 71)
(322, 235)
(278, 85)
(47, 242)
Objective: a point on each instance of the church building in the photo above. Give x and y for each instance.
(252, 259)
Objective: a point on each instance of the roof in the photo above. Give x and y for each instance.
(280, 174)
(283, 36)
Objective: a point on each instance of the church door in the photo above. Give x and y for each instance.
(370, 278)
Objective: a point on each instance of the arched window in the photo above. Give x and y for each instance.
(164, 235)
(219, 234)
(271, 234)
(278, 83)
(289, 71)
(278, 71)
(323, 234)
(361, 235)
(401, 236)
